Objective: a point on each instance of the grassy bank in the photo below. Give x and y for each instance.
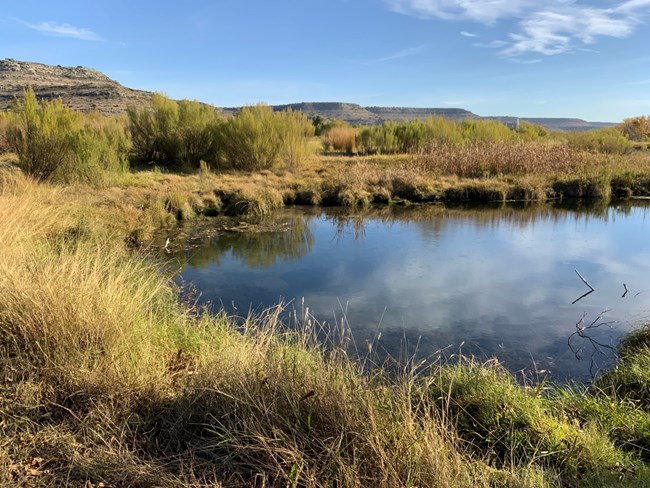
(137, 202)
(107, 378)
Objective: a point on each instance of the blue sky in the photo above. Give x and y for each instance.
(564, 58)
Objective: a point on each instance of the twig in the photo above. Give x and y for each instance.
(598, 347)
(581, 297)
(583, 280)
(626, 290)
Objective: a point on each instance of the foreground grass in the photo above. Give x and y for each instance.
(107, 378)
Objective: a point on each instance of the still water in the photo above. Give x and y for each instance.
(489, 282)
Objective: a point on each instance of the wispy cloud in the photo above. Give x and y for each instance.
(557, 27)
(468, 34)
(410, 51)
(63, 30)
(486, 12)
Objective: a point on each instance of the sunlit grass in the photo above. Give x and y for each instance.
(106, 377)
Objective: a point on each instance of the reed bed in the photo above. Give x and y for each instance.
(488, 159)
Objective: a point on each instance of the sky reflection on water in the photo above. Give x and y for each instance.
(499, 281)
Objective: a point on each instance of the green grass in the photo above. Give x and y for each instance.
(107, 377)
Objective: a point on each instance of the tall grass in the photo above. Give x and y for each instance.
(108, 378)
(486, 159)
(340, 138)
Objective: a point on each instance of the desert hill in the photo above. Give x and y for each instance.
(81, 88)
(86, 89)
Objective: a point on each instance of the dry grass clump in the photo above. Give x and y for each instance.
(342, 139)
(486, 159)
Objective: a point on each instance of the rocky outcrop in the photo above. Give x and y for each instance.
(87, 89)
(80, 88)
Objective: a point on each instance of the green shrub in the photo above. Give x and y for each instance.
(532, 132)
(259, 138)
(295, 133)
(4, 126)
(56, 143)
(417, 135)
(608, 141)
(171, 133)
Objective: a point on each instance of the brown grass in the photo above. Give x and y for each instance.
(106, 378)
(341, 139)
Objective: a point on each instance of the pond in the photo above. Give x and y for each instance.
(434, 281)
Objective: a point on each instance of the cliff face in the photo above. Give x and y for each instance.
(81, 88)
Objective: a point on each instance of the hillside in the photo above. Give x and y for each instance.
(87, 89)
(81, 88)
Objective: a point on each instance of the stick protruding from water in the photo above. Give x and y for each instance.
(584, 281)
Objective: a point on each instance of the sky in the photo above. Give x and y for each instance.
(555, 58)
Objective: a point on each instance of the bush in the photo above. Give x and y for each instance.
(608, 141)
(259, 138)
(58, 144)
(415, 136)
(4, 126)
(340, 139)
(636, 128)
(173, 132)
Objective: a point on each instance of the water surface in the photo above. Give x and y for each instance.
(481, 281)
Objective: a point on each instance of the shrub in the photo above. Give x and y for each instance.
(295, 131)
(56, 143)
(608, 141)
(4, 126)
(340, 139)
(259, 138)
(173, 132)
(415, 136)
(636, 128)
(532, 132)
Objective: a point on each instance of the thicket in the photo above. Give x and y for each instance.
(415, 136)
(56, 143)
(259, 138)
(607, 141)
(174, 133)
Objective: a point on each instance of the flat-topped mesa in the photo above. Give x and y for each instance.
(416, 113)
(349, 112)
(87, 89)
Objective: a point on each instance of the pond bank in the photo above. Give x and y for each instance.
(106, 378)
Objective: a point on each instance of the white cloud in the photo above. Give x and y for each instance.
(484, 11)
(64, 30)
(556, 27)
(468, 34)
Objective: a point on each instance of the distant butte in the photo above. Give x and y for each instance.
(86, 89)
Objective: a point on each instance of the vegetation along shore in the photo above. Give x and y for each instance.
(108, 378)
